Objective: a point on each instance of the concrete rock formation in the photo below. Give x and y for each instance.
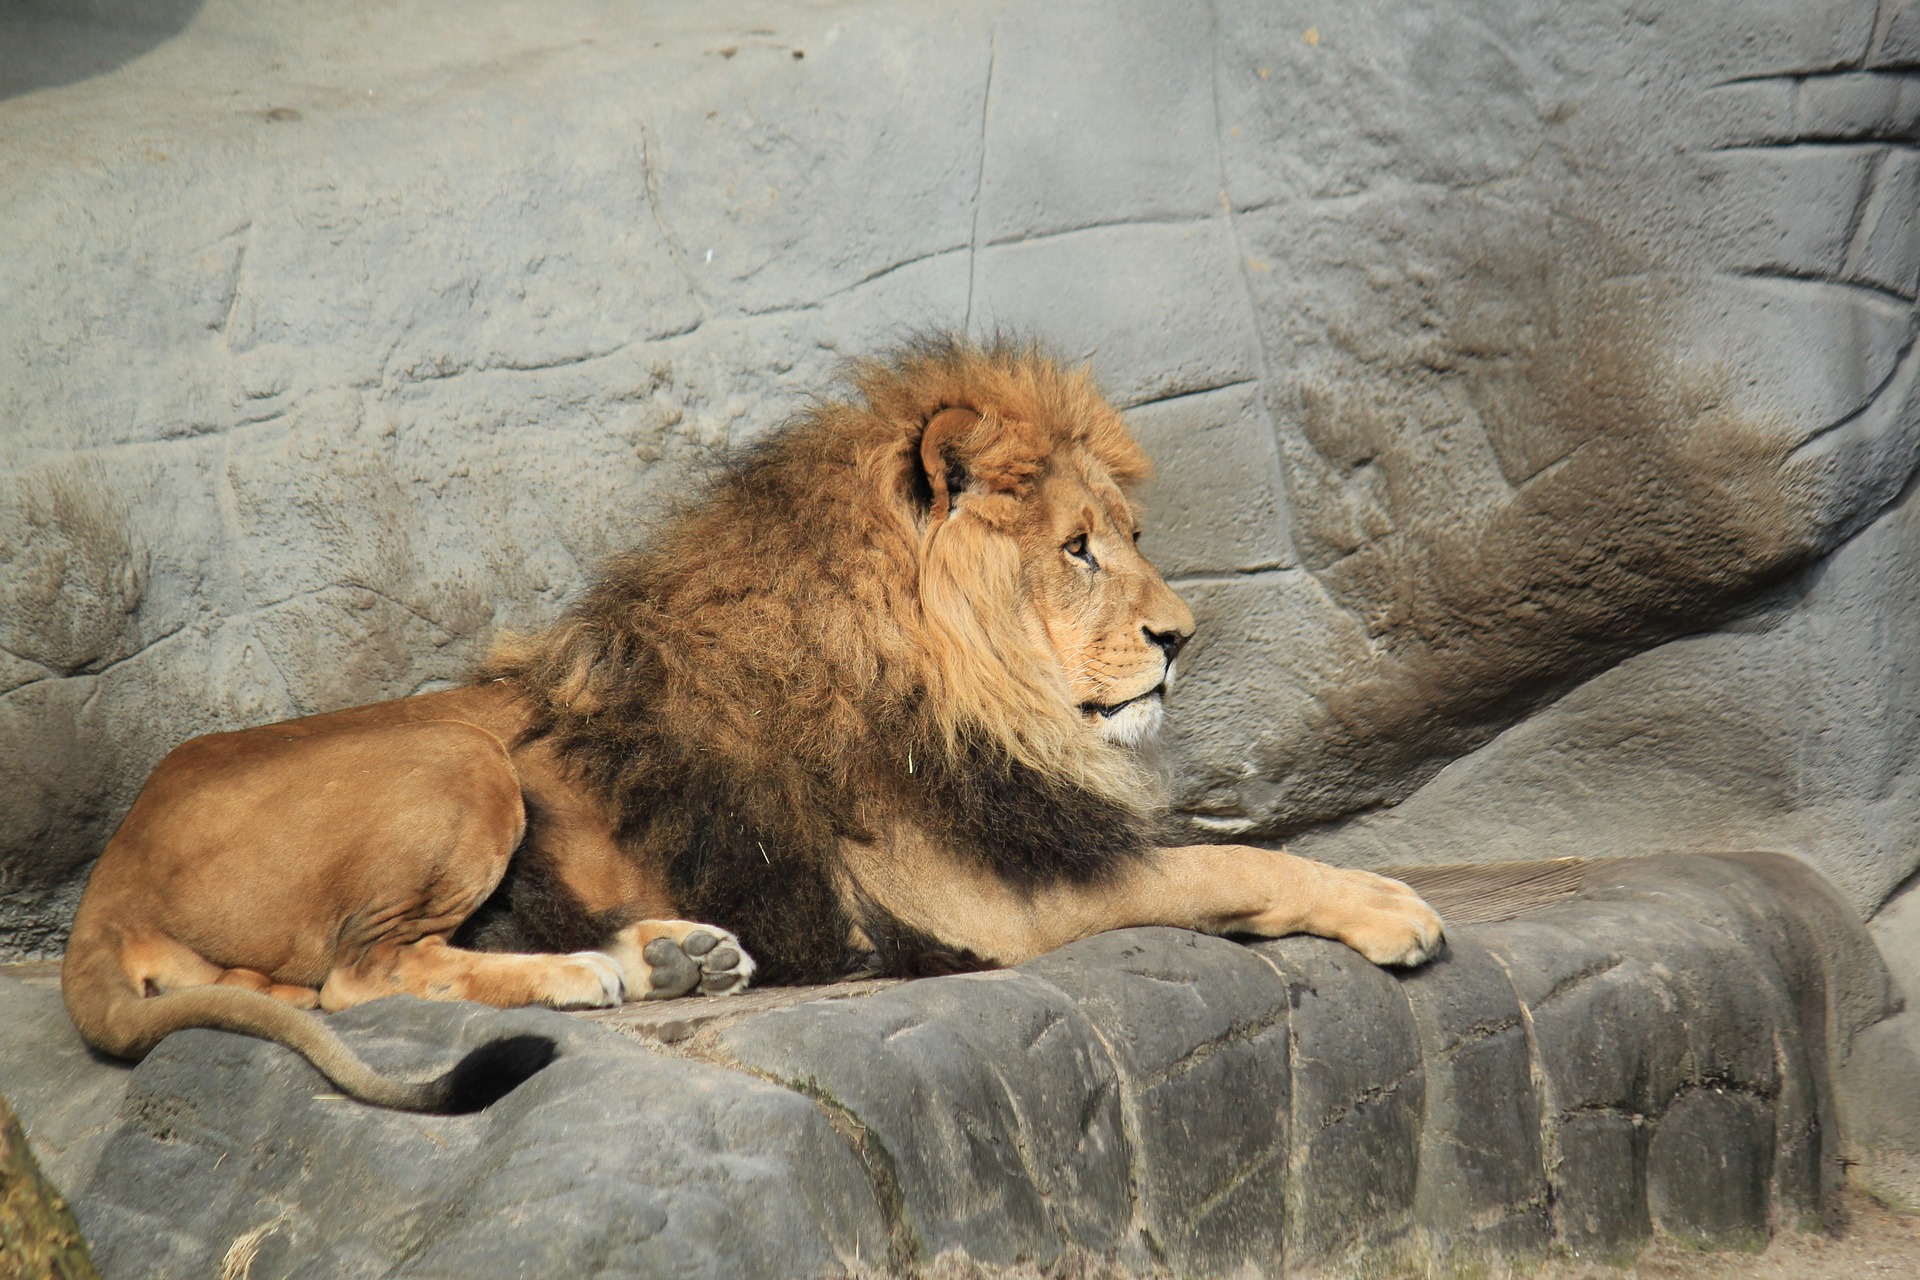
(1672, 1050)
(1534, 388)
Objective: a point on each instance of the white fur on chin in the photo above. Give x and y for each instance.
(1135, 724)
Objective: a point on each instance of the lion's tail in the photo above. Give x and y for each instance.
(116, 1018)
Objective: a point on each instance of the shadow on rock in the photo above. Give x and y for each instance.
(47, 43)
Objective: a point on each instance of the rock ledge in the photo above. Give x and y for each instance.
(1657, 1053)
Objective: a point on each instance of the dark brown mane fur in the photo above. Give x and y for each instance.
(782, 670)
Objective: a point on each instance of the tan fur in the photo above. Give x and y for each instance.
(934, 587)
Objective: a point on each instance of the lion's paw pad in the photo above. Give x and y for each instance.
(708, 959)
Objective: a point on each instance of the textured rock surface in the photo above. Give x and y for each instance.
(1880, 1093)
(1485, 348)
(1656, 1054)
(67, 1093)
(625, 1161)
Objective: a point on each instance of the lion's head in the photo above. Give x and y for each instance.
(1109, 618)
(1029, 527)
(928, 598)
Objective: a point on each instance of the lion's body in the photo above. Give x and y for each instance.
(870, 704)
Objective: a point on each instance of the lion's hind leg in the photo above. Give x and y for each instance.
(156, 963)
(253, 980)
(664, 959)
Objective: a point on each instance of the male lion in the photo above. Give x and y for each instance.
(868, 705)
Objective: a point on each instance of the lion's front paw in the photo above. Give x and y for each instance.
(1384, 920)
(669, 958)
(586, 980)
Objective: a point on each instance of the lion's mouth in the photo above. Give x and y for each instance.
(1107, 711)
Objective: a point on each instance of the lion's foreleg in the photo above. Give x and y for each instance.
(433, 970)
(648, 960)
(1219, 889)
(1237, 889)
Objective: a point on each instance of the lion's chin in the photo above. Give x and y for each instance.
(1132, 724)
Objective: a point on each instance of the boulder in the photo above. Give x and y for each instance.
(1665, 1052)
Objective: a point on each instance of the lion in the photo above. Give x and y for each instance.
(872, 704)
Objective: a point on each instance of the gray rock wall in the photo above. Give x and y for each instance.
(1530, 383)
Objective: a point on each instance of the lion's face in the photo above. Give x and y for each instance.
(1113, 621)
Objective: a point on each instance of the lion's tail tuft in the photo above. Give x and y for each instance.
(490, 1073)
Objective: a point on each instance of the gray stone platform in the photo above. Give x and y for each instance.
(1668, 1050)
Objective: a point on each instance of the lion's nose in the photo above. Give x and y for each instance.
(1170, 642)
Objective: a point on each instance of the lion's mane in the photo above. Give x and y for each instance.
(798, 659)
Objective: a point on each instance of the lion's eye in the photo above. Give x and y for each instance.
(1076, 546)
(1136, 537)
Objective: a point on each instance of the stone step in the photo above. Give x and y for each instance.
(1652, 1047)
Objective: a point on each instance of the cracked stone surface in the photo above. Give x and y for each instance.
(986, 1106)
(624, 1162)
(1666, 1052)
(1534, 388)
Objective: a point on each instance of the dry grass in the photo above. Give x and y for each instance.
(1871, 1241)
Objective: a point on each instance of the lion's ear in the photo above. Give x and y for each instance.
(940, 461)
(991, 459)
